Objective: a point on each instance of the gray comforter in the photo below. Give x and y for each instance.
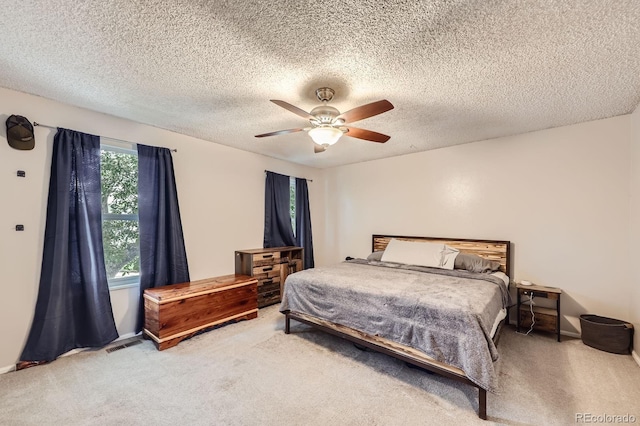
(448, 315)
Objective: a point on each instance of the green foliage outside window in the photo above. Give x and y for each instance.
(119, 174)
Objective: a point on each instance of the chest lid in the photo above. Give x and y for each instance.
(195, 288)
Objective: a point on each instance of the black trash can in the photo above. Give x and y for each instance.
(606, 334)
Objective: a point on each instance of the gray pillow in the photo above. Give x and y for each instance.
(475, 263)
(376, 255)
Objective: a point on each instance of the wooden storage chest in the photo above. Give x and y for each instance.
(270, 266)
(175, 312)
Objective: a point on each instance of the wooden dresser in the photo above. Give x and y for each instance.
(175, 312)
(270, 266)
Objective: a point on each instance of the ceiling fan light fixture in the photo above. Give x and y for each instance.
(325, 135)
(327, 123)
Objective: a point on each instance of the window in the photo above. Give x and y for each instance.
(292, 203)
(121, 240)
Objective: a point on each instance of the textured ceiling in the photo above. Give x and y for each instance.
(456, 71)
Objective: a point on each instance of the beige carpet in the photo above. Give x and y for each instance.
(251, 373)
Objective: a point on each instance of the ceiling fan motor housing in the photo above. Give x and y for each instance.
(325, 114)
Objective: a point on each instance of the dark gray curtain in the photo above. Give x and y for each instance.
(278, 231)
(73, 309)
(303, 222)
(163, 258)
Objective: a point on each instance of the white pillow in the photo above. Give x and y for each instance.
(420, 253)
(449, 257)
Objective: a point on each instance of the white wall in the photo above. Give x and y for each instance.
(634, 300)
(220, 189)
(561, 196)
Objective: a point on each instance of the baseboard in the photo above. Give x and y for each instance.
(127, 336)
(636, 357)
(73, 352)
(562, 332)
(11, 368)
(120, 338)
(7, 369)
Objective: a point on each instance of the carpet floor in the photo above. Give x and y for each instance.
(251, 373)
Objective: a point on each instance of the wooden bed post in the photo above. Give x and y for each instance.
(482, 403)
(287, 323)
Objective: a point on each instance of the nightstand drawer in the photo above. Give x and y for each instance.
(545, 318)
(550, 296)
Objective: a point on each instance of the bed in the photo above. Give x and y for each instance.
(444, 320)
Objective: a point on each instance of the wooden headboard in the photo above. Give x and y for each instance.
(500, 251)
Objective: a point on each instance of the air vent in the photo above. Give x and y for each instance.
(124, 345)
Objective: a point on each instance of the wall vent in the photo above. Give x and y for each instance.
(123, 345)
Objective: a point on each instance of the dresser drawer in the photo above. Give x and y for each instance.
(269, 258)
(267, 271)
(269, 285)
(268, 298)
(268, 292)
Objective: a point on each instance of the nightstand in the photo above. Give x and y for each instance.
(546, 319)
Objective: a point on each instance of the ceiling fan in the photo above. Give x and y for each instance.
(328, 124)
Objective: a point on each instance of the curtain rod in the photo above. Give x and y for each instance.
(308, 180)
(106, 137)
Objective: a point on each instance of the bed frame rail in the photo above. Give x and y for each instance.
(395, 350)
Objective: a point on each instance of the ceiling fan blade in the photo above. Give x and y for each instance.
(294, 109)
(319, 148)
(365, 111)
(280, 132)
(367, 135)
